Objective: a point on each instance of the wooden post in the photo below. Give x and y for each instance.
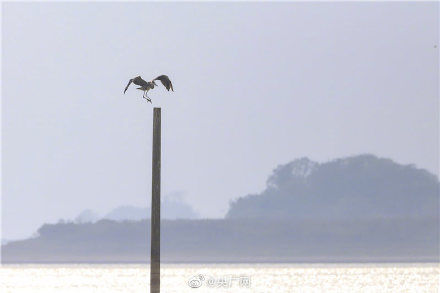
(155, 207)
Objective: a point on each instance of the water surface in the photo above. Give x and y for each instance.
(222, 278)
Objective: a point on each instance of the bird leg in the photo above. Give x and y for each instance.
(145, 96)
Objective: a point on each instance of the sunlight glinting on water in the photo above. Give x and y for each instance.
(222, 278)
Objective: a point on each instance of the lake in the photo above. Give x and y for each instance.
(129, 278)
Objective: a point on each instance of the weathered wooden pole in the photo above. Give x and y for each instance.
(155, 207)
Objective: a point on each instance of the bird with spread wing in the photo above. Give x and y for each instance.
(148, 85)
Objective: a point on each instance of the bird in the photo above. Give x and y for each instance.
(148, 85)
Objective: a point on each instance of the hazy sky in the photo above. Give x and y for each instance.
(256, 85)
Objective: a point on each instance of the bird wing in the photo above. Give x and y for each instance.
(129, 82)
(139, 81)
(165, 81)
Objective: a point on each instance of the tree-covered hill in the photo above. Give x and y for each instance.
(358, 187)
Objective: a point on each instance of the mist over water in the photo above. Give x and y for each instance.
(297, 132)
(256, 85)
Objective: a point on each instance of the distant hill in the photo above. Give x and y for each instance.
(131, 213)
(87, 216)
(172, 207)
(232, 240)
(356, 209)
(358, 187)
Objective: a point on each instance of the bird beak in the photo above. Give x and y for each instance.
(154, 83)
